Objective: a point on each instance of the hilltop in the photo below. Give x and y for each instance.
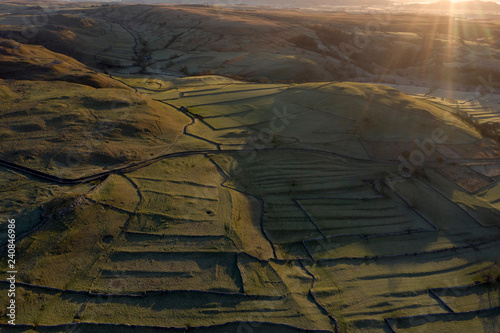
(36, 63)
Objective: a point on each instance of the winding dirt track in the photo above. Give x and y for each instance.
(139, 165)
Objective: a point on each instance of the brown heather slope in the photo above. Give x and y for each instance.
(264, 44)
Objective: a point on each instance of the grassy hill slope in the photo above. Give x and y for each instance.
(60, 117)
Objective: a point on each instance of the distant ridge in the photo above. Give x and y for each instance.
(466, 6)
(266, 3)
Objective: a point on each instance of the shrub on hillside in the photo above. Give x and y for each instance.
(305, 42)
(331, 36)
(185, 70)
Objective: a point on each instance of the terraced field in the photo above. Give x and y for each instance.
(318, 207)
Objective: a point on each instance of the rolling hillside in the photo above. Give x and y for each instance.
(276, 206)
(147, 199)
(262, 44)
